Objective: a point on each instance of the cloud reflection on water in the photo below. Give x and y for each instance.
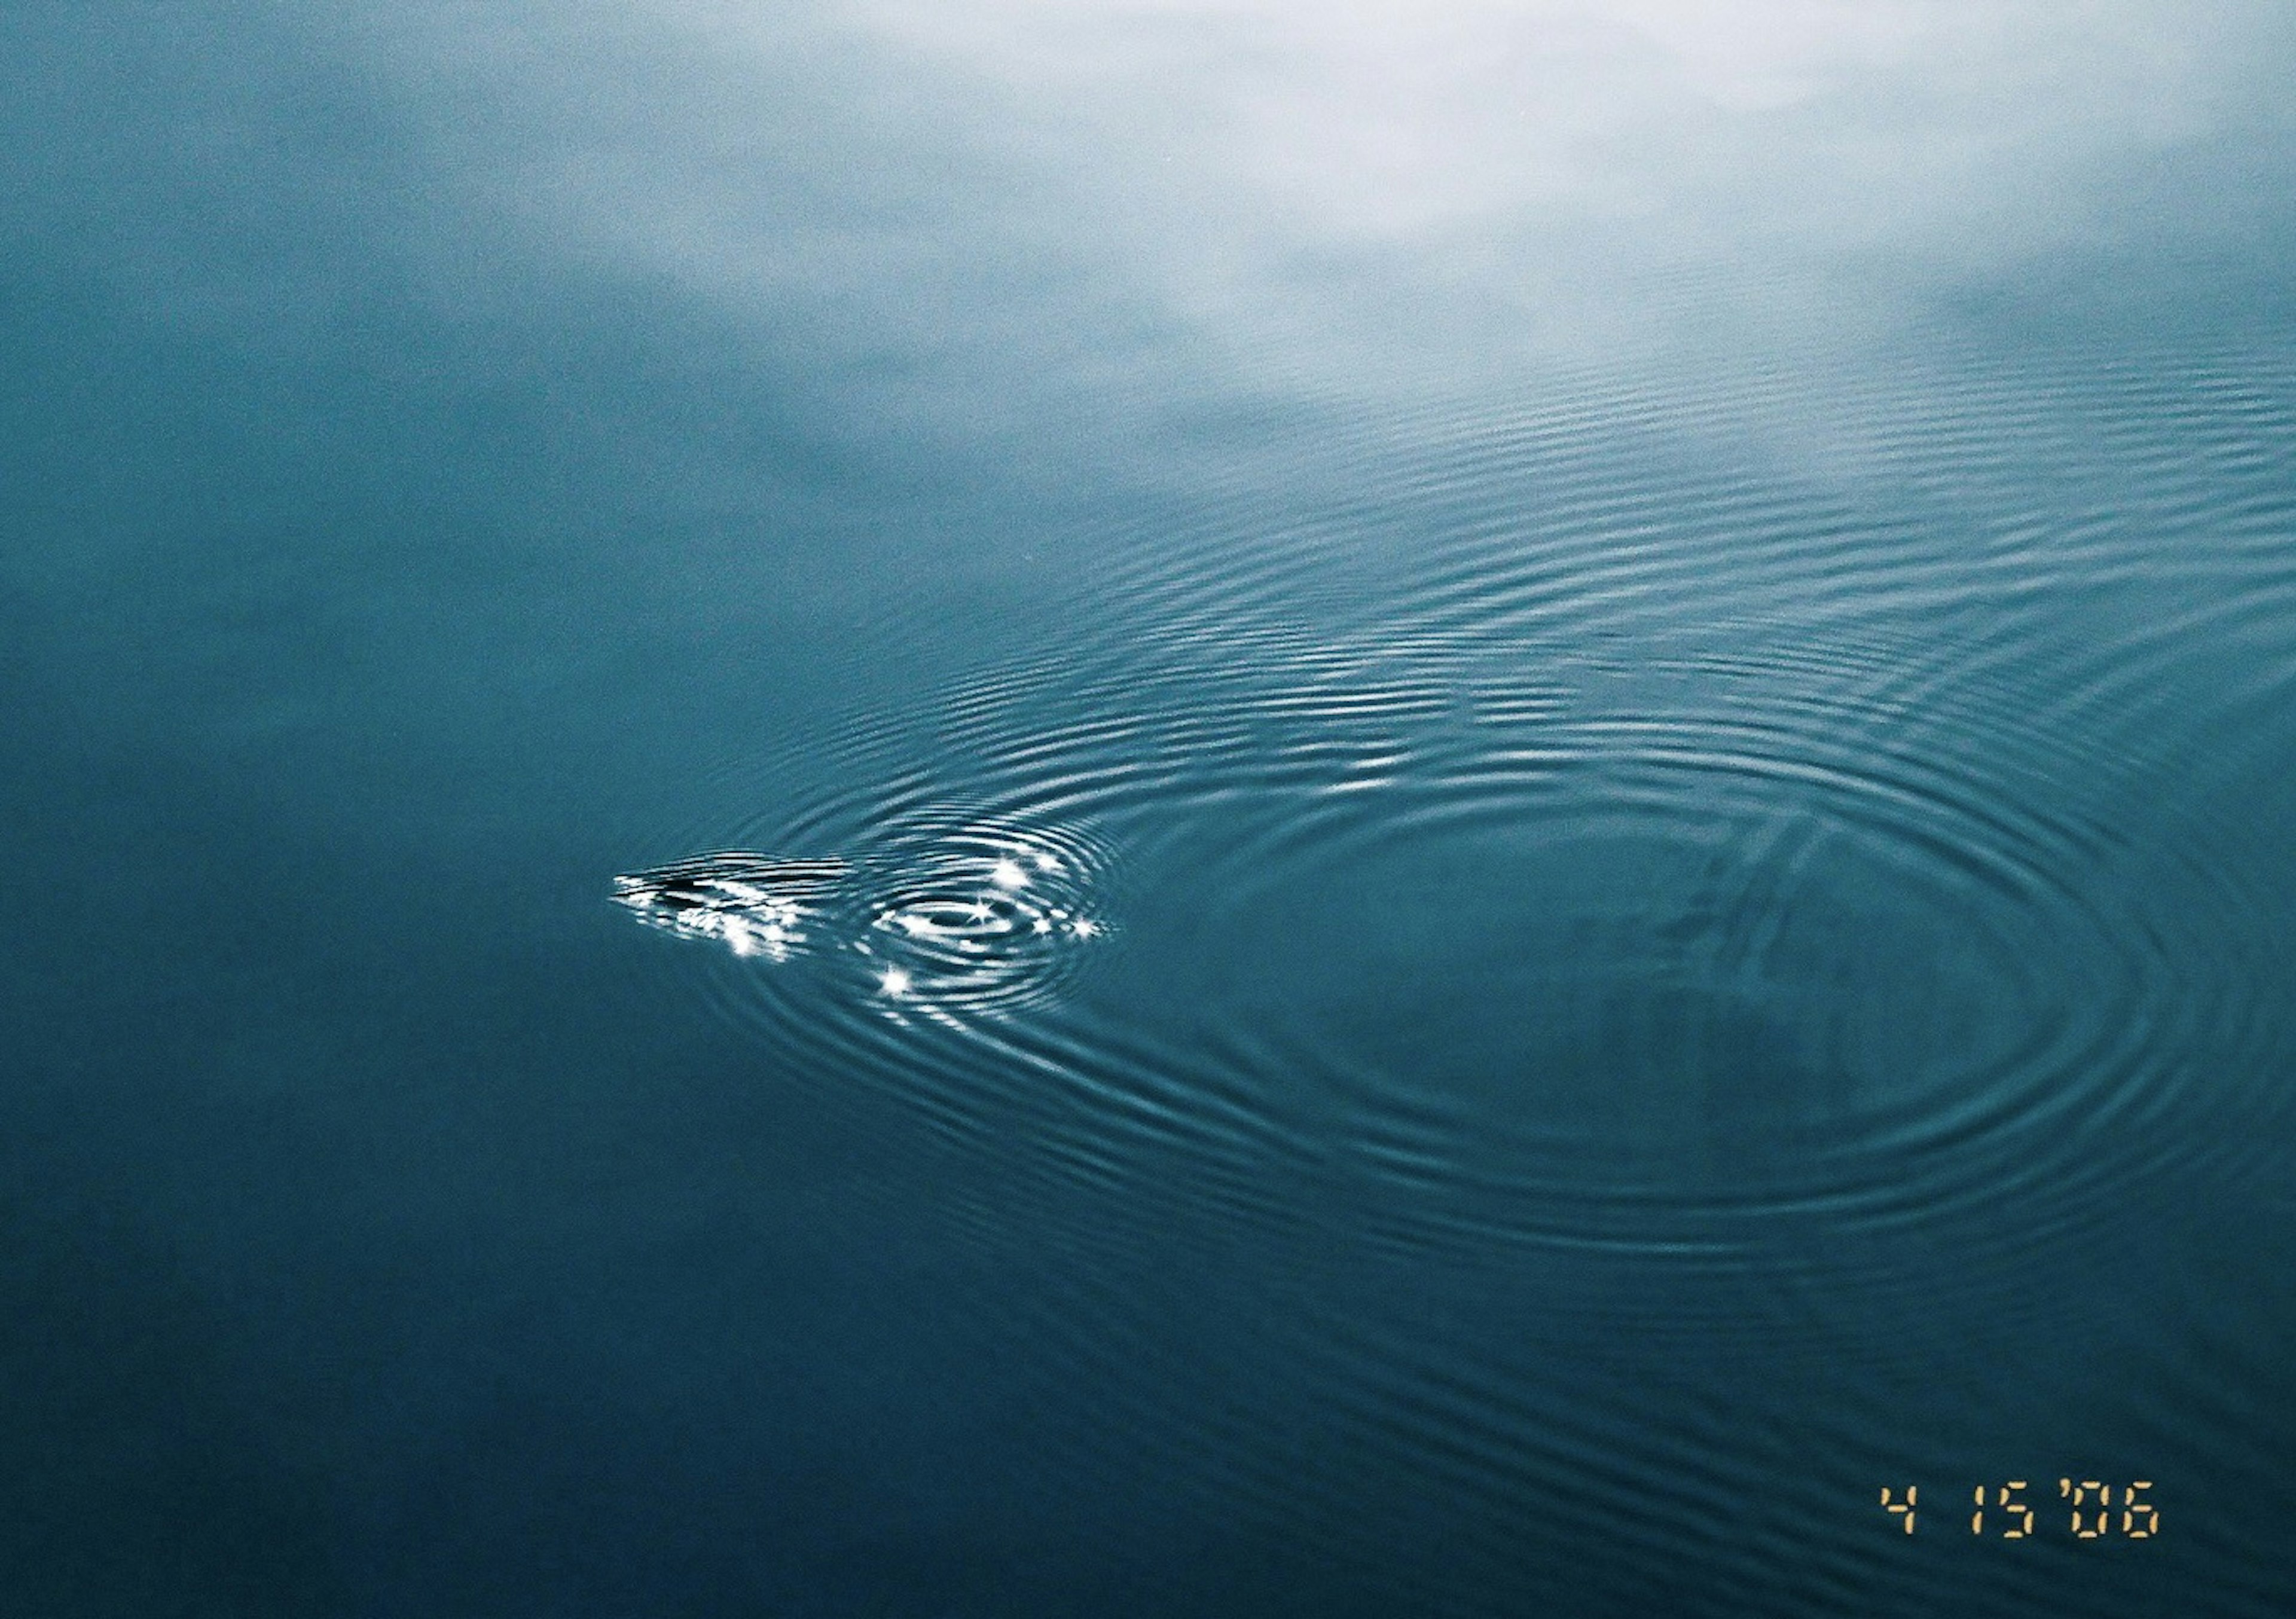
(1044, 210)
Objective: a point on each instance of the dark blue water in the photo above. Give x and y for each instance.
(1021, 810)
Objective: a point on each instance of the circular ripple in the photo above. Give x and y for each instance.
(1742, 938)
(975, 914)
(1670, 983)
(1478, 941)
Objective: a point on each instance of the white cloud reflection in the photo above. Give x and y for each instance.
(1033, 211)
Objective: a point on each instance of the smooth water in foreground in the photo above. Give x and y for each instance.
(1030, 810)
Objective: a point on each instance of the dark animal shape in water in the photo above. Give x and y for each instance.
(756, 905)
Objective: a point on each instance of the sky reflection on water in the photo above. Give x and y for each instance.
(1495, 799)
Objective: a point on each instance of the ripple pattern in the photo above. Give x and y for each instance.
(1662, 851)
(1522, 907)
(934, 917)
(977, 914)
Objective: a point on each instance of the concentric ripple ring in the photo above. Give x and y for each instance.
(1519, 947)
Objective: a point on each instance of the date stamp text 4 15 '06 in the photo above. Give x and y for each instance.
(2092, 1509)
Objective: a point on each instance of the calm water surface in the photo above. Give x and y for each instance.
(1468, 813)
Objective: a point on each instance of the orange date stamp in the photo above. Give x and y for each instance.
(2090, 1505)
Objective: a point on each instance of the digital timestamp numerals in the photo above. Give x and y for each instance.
(2097, 1510)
